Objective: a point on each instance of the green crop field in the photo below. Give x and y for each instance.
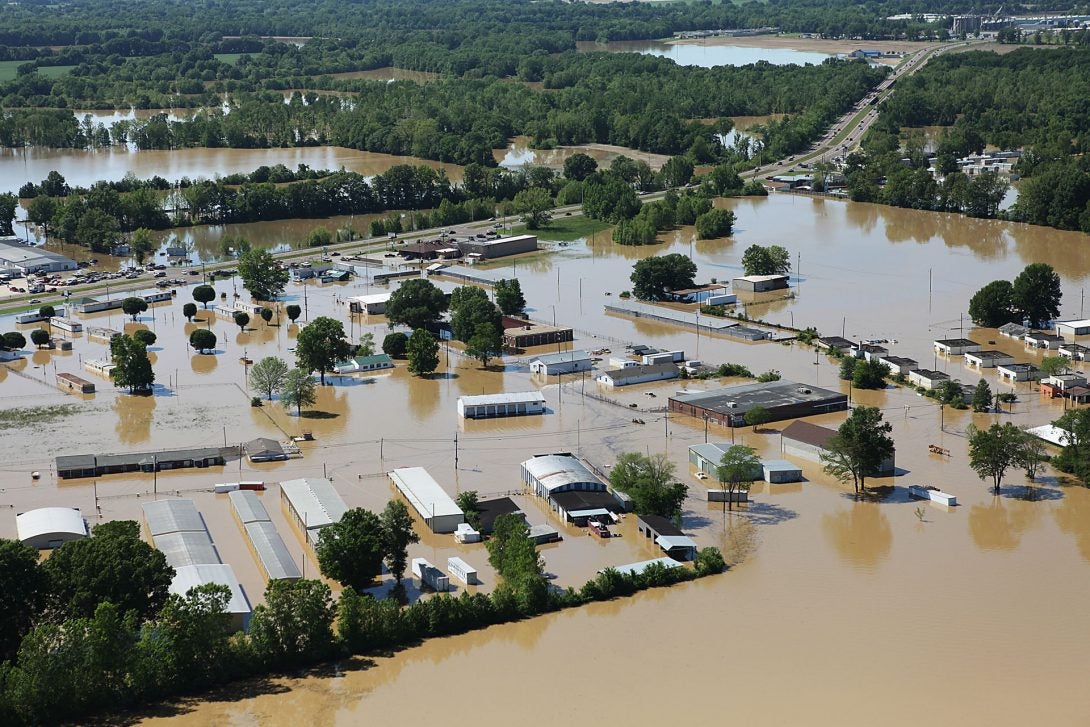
(9, 70)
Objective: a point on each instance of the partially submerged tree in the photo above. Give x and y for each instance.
(994, 450)
(982, 397)
(267, 376)
(509, 297)
(132, 367)
(39, 337)
(860, 446)
(485, 343)
(293, 312)
(415, 304)
(204, 294)
(397, 535)
(298, 390)
(189, 310)
(133, 306)
(320, 345)
(395, 344)
(261, 275)
(423, 352)
(242, 319)
(738, 464)
(202, 340)
(650, 482)
(350, 551)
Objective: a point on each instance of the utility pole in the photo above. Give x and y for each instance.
(455, 450)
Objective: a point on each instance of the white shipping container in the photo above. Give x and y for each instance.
(429, 575)
(462, 571)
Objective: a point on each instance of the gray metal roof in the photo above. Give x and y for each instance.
(172, 516)
(425, 494)
(556, 471)
(271, 551)
(737, 400)
(191, 576)
(552, 359)
(187, 548)
(779, 465)
(248, 506)
(315, 500)
(635, 372)
(711, 451)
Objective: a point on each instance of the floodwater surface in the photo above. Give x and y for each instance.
(839, 611)
(708, 54)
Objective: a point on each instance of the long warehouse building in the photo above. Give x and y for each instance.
(313, 504)
(268, 547)
(428, 498)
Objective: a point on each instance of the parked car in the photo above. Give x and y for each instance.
(702, 475)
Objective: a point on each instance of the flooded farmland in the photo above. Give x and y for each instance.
(839, 611)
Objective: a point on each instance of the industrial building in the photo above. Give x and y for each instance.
(499, 247)
(435, 507)
(780, 399)
(29, 259)
(96, 465)
(486, 406)
(312, 504)
(189, 547)
(566, 362)
(50, 527)
(759, 283)
(521, 333)
(489, 510)
(172, 516)
(808, 441)
(667, 536)
(571, 489)
(265, 542)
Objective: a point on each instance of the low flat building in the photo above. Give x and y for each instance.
(663, 533)
(373, 304)
(488, 406)
(431, 502)
(163, 517)
(781, 399)
(542, 534)
(520, 333)
(780, 471)
(489, 510)
(899, 364)
(1041, 339)
(927, 378)
(698, 294)
(956, 346)
(50, 527)
(1073, 351)
(99, 334)
(96, 465)
(638, 375)
(759, 283)
(71, 382)
(499, 247)
(1061, 385)
(462, 571)
(634, 569)
(69, 325)
(188, 547)
(1014, 372)
(1071, 330)
(987, 359)
(833, 343)
(94, 305)
(100, 366)
(1014, 330)
(264, 449)
(869, 351)
(312, 504)
(565, 362)
(267, 546)
(807, 441)
(30, 259)
(364, 364)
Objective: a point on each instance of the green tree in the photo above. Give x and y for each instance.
(202, 340)
(993, 305)
(650, 482)
(485, 343)
(714, 223)
(535, 205)
(97, 230)
(22, 595)
(509, 297)
(761, 260)
(520, 567)
(468, 502)
(993, 451)
(39, 337)
(132, 368)
(395, 344)
(869, 374)
(261, 275)
(677, 171)
(423, 352)
(757, 416)
(113, 565)
(267, 376)
(47, 312)
(189, 310)
(415, 304)
(1075, 455)
(1053, 365)
(367, 344)
(319, 237)
(847, 368)
(1031, 455)
(146, 337)
(579, 166)
(469, 308)
(298, 390)
(13, 340)
(242, 319)
(397, 536)
(737, 465)
(294, 626)
(141, 244)
(133, 306)
(266, 315)
(1037, 294)
(320, 345)
(982, 397)
(293, 312)
(860, 446)
(652, 277)
(350, 551)
(204, 294)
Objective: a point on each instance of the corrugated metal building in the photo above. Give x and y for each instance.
(487, 406)
(265, 542)
(313, 504)
(428, 498)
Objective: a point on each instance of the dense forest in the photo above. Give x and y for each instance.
(1029, 99)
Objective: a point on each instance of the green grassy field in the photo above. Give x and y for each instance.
(228, 58)
(564, 229)
(8, 70)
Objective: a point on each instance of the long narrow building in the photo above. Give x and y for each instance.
(265, 542)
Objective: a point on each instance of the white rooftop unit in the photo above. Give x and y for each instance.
(50, 527)
(428, 498)
(172, 516)
(187, 548)
(191, 576)
(313, 502)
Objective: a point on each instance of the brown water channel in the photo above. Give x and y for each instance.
(841, 612)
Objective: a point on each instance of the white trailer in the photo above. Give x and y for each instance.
(462, 571)
(429, 575)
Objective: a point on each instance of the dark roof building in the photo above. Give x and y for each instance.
(96, 465)
(667, 536)
(781, 399)
(489, 510)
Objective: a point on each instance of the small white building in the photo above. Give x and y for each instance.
(462, 571)
(487, 406)
(50, 527)
(65, 324)
(926, 378)
(956, 346)
(987, 359)
(759, 283)
(1041, 339)
(1014, 330)
(899, 364)
(617, 362)
(374, 304)
(869, 351)
(565, 362)
(99, 366)
(1073, 329)
(435, 507)
(1014, 372)
(364, 364)
(1074, 351)
(638, 375)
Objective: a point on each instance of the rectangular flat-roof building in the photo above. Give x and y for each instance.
(29, 259)
(265, 542)
(987, 359)
(1015, 330)
(191, 576)
(173, 516)
(521, 333)
(641, 566)
(489, 510)
(565, 362)
(488, 406)
(759, 283)
(499, 247)
(807, 441)
(71, 382)
(373, 304)
(428, 498)
(831, 343)
(641, 374)
(956, 346)
(364, 364)
(313, 504)
(781, 399)
(187, 548)
(1071, 330)
(927, 378)
(667, 536)
(899, 364)
(1015, 372)
(1041, 339)
(1073, 351)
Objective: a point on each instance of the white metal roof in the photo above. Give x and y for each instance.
(315, 501)
(191, 576)
(422, 491)
(669, 542)
(172, 516)
(760, 278)
(187, 548)
(554, 471)
(636, 568)
(563, 357)
(506, 398)
(271, 551)
(1083, 323)
(248, 506)
(372, 299)
(49, 520)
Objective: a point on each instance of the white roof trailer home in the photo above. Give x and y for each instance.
(428, 498)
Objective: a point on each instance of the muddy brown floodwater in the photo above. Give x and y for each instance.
(839, 611)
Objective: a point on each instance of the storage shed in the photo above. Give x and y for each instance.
(172, 516)
(265, 542)
(312, 504)
(428, 498)
(50, 527)
(191, 576)
(487, 406)
(667, 536)
(429, 575)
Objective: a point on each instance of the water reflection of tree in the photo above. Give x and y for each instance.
(1073, 517)
(863, 215)
(737, 539)
(134, 417)
(1067, 252)
(423, 397)
(1001, 524)
(203, 363)
(861, 534)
